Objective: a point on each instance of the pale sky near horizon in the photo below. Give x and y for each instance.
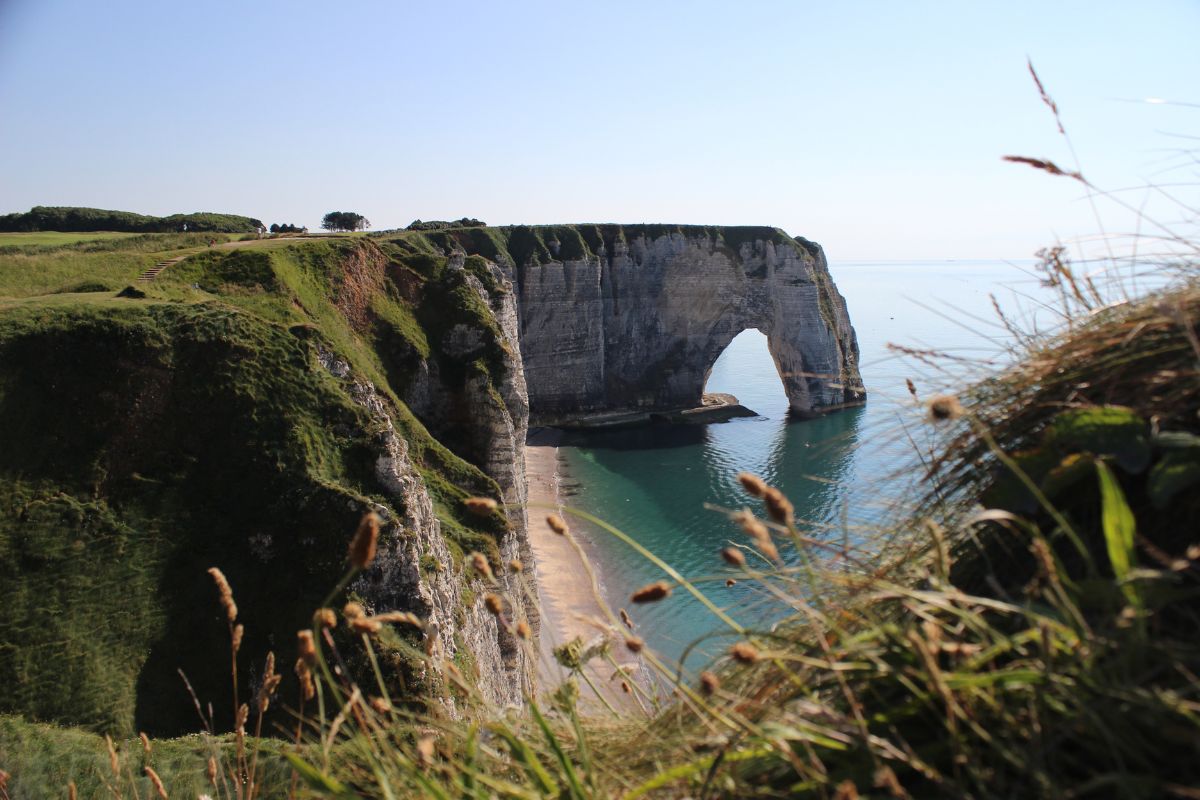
(874, 128)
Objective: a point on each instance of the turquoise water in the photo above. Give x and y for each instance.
(844, 472)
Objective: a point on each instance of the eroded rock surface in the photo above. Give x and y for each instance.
(638, 322)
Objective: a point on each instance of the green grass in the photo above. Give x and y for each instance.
(54, 238)
(188, 428)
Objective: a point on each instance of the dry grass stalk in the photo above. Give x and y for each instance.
(651, 592)
(366, 539)
(754, 485)
(225, 593)
(400, 618)
(114, 763)
(156, 782)
(481, 506)
(270, 683)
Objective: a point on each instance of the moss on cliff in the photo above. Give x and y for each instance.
(147, 439)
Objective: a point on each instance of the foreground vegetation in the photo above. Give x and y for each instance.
(1031, 631)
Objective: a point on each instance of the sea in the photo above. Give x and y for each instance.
(849, 473)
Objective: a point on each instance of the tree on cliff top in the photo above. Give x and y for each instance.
(345, 221)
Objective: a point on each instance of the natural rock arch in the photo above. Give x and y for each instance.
(637, 323)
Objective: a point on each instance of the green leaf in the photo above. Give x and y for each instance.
(1009, 492)
(1070, 471)
(1174, 472)
(1103, 431)
(528, 758)
(559, 754)
(1119, 528)
(318, 780)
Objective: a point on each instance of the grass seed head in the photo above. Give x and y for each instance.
(778, 506)
(156, 782)
(114, 763)
(380, 705)
(709, 683)
(366, 538)
(481, 506)
(307, 689)
(523, 630)
(733, 557)
(651, 592)
(626, 619)
(239, 632)
(634, 644)
(944, 408)
(145, 743)
(557, 524)
(306, 647)
(480, 564)
(365, 625)
(729, 582)
(325, 618)
(225, 593)
(744, 653)
(754, 485)
(751, 525)
(425, 750)
(210, 771)
(352, 611)
(494, 603)
(516, 565)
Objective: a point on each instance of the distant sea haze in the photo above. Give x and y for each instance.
(844, 470)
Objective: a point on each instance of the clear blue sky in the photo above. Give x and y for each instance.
(874, 128)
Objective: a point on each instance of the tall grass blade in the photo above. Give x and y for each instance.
(1119, 529)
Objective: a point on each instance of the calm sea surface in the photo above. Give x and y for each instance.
(844, 472)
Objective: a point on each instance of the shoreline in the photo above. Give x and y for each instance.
(569, 594)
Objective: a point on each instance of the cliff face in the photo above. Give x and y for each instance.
(639, 324)
(247, 408)
(633, 317)
(244, 414)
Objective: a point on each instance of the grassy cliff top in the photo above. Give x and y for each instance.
(187, 423)
(523, 244)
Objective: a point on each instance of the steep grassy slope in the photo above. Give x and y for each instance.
(146, 439)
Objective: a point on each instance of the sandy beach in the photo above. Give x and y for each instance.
(567, 591)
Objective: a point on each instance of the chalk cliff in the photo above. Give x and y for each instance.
(627, 317)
